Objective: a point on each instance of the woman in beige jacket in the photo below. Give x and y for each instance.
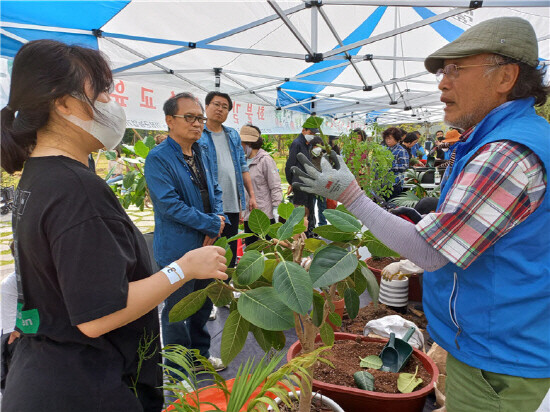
(264, 174)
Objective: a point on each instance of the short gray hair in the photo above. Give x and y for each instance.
(171, 105)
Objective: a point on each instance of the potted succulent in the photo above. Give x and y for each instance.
(277, 293)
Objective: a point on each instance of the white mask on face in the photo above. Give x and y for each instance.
(316, 151)
(309, 137)
(110, 135)
(247, 150)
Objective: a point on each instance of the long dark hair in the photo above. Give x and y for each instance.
(44, 71)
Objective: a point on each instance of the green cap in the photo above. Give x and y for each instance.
(313, 123)
(508, 36)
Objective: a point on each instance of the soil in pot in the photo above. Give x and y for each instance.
(369, 312)
(381, 263)
(345, 356)
(316, 406)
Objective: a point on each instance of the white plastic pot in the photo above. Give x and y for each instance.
(394, 292)
(324, 399)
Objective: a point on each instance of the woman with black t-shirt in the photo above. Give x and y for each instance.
(87, 294)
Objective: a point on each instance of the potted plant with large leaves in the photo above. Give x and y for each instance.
(276, 293)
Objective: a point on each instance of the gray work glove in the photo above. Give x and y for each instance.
(336, 183)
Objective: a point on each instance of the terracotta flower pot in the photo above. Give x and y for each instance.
(355, 399)
(339, 308)
(415, 284)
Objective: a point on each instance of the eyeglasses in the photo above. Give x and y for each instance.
(451, 70)
(220, 106)
(189, 118)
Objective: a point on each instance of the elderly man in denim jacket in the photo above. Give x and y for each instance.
(188, 213)
(224, 156)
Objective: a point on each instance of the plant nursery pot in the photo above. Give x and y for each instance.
(339, 308)
(394, 294)
(415, 283)
(326, 401)
(355, 399)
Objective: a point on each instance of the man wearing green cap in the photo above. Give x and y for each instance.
(302, 145)
(486, 289)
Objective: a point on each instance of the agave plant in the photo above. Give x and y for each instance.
(276, 293)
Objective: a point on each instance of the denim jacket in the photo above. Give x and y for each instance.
(180, 221)
(237, 154)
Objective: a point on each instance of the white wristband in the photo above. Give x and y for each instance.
(173, 272)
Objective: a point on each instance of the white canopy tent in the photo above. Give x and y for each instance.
(356, 60)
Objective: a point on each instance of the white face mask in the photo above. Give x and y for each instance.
(247, 151)
(309, 137)
(110, 135)
(316, 151)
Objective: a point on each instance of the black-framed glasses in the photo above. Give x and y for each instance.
(220, 106)
(451, 70)
(189, 118)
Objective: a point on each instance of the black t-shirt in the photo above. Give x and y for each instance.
(76, 251)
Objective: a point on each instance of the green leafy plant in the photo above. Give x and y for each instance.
(249, 378)
(407, 382)
(289, 282)
(412, 196)
(133, 190)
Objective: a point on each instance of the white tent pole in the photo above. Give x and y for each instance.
(395, 32)
(395, 13)
(159, 65)
(288, 23)
(241, 50)
(304, 106)
(13, 36)
(439, 3)
(341, 43)
(209, 39)
(44, 28)
(314, 27)
(247, 89)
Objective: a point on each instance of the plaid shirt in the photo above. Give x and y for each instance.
(400, 162)
(498, 189)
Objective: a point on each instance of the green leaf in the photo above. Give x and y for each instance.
(327, 334)
(221, 242)
(331, 265)
(250, 267)
(351, 298)
(377, 248)
(141, 149)
(285, 210)
(188, 306)
(406, 382)
(259, 222)
(335, 319)
(293, 284)
(110, 155)
(128, 179)
(263, 307)
(141, 184)
(299, 228)
(359, 281)
(372, 361)
(364, 380)
(219, 294)
(343, 209)
(317, 312)
(273, 229)
(268, 339)
(372, 284)
(331, 232)
(258, 245)
(149, 142)
(127, 150)
(286, 230)
(313, 244)
(239, 236)
(343, 221)
(235, 331)
(269, 267)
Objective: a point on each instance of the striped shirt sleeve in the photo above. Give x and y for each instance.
(498, 189)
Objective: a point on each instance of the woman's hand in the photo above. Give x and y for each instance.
(207, 262)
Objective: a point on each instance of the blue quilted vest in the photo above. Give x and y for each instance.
(495, 315)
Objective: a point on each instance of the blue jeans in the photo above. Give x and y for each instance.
(191, 332)
(321, 205)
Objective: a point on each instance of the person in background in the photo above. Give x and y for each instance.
(409, 142)
(302, 144)
(188, 214)
(317, 152)
(264, 175)
(485, 249)
(224, 156)
(333, 143)
(116, 167)
(87, 294)
(159, 138)
(417, 150)
(392, 137)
